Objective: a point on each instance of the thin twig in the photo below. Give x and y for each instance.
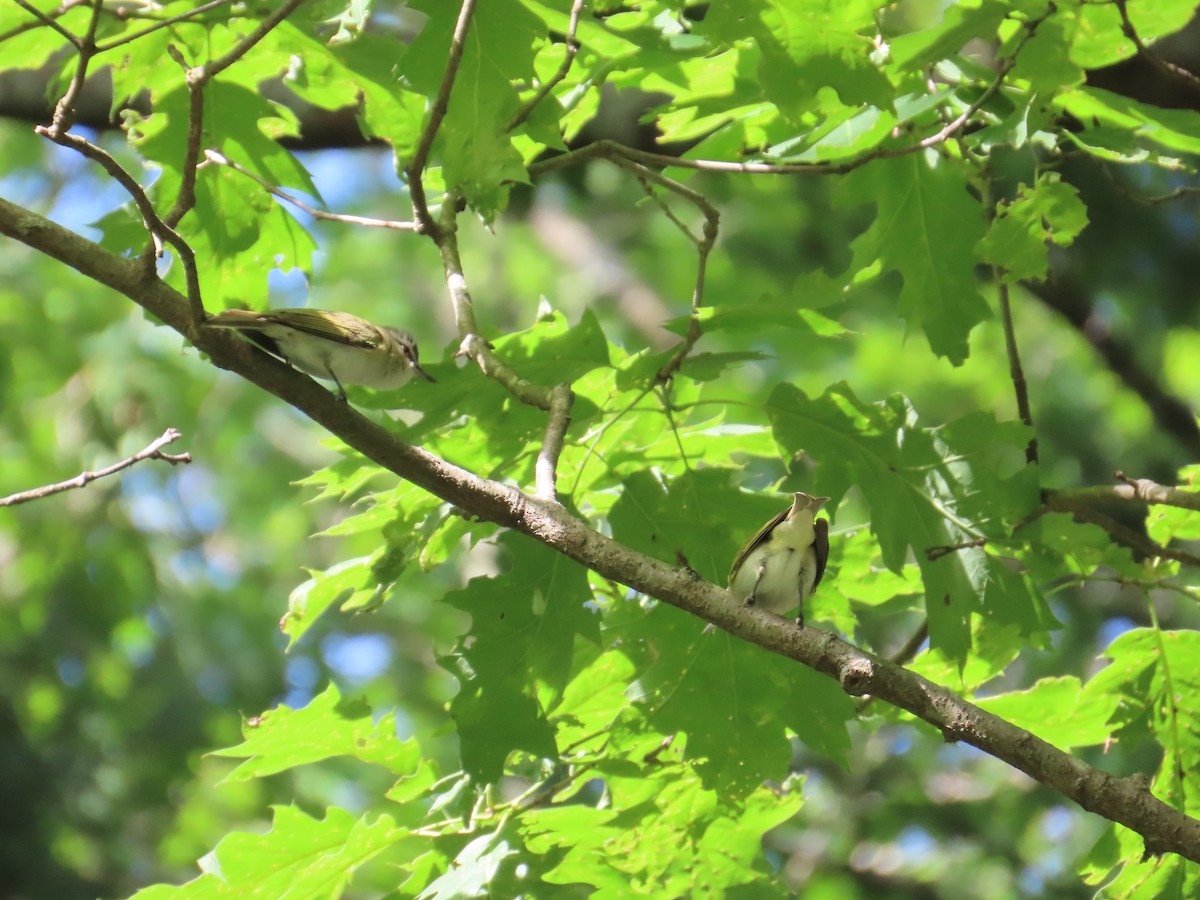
(1016, 371)
(1133, 490)
(73, 39)
(472, 344)
(185, 199)
(416, 166)
(607, 149)
(572, 48)
(221, 160)
(1152, 492)
(156, 226)
(153, 451)
(215, 67)
(1081, 505)
(556, 400)
(546, 468)
(162, 23)
(1167, 68)
(935, 553)
(64, 110)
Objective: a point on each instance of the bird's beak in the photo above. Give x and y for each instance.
(423, 373)
(805, 501)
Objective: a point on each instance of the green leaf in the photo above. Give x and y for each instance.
(518, 658)
(926, 225)
(329, 726)
(806, 48)
(1043, 213)
(1057, 710)
(961, 23)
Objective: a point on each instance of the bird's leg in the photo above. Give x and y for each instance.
(341, 390)
(801, 579)
(762, 571)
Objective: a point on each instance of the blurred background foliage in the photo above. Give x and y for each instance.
(139, 616)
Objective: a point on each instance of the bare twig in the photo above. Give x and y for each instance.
(1081, 504)
(215, 67)
(546, 468)
(1132, 490)
(158, 229)
(572, 48)
(185, 199)
(64, 110)
(221, 160)
(48, 19)
(935, 553)
(163, 23)
(153, 451)
(1167, 68)
(1152, 492)
(1016, 371)
(416, 166)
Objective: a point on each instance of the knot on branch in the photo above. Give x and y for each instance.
(856, 677)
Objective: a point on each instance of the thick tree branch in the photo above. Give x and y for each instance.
(152, 451)
(1124, 800)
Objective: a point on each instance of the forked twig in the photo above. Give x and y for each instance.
(152, 451)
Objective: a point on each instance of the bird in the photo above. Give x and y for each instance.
(329, 344)
(780, 567)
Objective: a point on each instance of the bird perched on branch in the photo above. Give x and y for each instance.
(780, 567)
(334, 345)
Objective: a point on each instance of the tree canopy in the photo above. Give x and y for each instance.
(669, 263)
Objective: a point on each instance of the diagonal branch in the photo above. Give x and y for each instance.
(51, 19)
(162, 23)
(153, 451)
(1177, 73)
(324, 215)
(1124, 800)
(556, 400)
(416, 166)
(554, 80)
(1171, 413)
(1082, 504)
(159, 230)
(215, 67)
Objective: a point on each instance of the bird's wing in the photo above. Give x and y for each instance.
(820, 547)
(763, 535)
(331, 325)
